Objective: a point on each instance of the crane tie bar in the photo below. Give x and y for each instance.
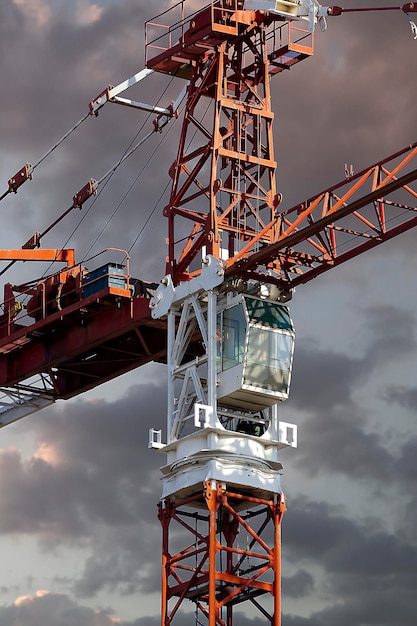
(26, 172)
(409, 7)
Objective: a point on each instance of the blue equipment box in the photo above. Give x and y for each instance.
(109, 275)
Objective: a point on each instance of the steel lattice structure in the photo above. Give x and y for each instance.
(232, 558)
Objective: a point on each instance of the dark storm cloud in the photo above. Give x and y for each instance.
(101, 450)
(365, 566)
(352, 102)
(326, 380)
(391, 331)
(384, 607)
(102, 490)
(298, 585)
(405, 397)
(323, 380)
(406, 459)
(123, 559)
(52, 610)
(69, 64)
(324, 387)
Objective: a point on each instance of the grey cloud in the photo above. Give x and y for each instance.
(52, 610)
(345, 547)
(391, 332)
(338, 442)
(123, 560)
(298, 585)
(369, 573)
(102, 494)
(102, 451)
(83, 60)
(324, 387)
(383, 607)
(323, 380)
(330, 109)
(401, 395)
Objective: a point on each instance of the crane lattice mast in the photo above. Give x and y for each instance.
(223, 432)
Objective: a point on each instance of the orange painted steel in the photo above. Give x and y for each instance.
(337, 224)
(223, 194)
(66, 256)
(227, 555)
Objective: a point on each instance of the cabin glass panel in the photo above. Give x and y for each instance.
(268, 361)
(268, 313)
(255, 343)
(231, 337)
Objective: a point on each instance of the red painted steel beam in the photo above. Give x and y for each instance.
(409, 7)
(207, 565)
(81, 347)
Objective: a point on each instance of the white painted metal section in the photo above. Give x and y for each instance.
(140, 105)
(204, 436)
(111, 92)
(309, 10)
(15, 404)
(212, 275)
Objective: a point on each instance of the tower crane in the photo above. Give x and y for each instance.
(219, 318)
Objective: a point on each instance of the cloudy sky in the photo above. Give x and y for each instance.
(79, 539)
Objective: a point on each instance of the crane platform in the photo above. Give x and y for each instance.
(76, 329)
(175, 48)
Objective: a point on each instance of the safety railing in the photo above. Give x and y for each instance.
(164, 29)
(33, 302)
(168, 28)
(289, 34)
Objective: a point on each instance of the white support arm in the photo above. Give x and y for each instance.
(111, 92)
(164, 118)
(141, 105)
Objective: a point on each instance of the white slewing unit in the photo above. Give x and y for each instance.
(229, 365)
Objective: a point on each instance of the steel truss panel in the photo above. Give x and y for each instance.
(223, 199)
(353, 216)
(19, 401)
(221, 550)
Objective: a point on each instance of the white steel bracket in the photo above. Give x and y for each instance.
(111, 94)
(212, 275)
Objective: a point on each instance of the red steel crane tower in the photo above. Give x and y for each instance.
(233, 259)
(221, 485)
